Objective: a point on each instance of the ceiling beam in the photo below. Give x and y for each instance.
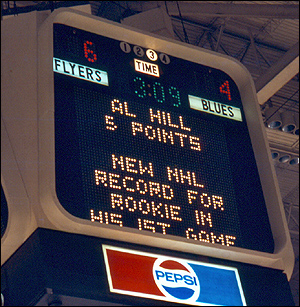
(155, 21)
(278, 75)
(197, 8)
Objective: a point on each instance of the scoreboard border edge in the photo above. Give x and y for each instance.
(56, 217)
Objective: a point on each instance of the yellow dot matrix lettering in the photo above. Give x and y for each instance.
(144, 188)
(166, 188)
(205, 200)
(217, 202)
(119, 160)
(126, 110)
(171, 173)
(109, 121)
(195, 141)
(167, 136)
(195, 184)
(164, 118)
(203, 236)
(170, 122)
(125, 184)
(153, 116)
(182, 125)
(190, 196)
(187, 176)
(158, 134)
(203, 218)
(163, 225)
(113, 181)
(136, 127)
(228, 240)
(141, 208)
(212, 238)
(181, 136)
(148, 168)
(140, 224)
(219, 239)
(167, 211)
(130, 165)
(113, 219)
(94, 217)
(100, 176)
(156, 209)
(133, 207)
(116, 201)
(146, 226)
(152, 134)
(154, 188)
(187, 232)
(116, 105)
(175, 213)
(108, 217)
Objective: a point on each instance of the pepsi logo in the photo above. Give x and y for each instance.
(176, 280)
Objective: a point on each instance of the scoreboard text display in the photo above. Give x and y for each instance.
(149, 139)
(153, 142)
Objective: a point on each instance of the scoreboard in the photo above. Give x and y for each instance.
(151, 141)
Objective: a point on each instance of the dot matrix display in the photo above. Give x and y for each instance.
(133, 153)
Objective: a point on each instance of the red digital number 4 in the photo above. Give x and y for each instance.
(224, 89)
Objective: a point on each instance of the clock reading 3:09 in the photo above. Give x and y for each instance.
(149, 141)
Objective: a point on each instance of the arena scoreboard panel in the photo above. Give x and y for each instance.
(149, 141)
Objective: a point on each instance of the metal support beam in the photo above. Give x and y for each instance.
(254, 50)
(155, 21)
(278, 75)
(220, 35)
(217, 9)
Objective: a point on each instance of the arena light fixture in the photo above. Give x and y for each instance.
(284, 158)
(294, 161)
(274, 154)
(296, 130)
(288, 121)
(273, 118)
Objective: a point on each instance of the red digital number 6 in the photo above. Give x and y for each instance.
(89, 53)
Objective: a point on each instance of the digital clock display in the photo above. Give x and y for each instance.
(153, 142)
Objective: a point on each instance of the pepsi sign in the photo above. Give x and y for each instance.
(171, 279)
(176, 280)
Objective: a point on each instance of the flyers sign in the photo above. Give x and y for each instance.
(171, 279)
